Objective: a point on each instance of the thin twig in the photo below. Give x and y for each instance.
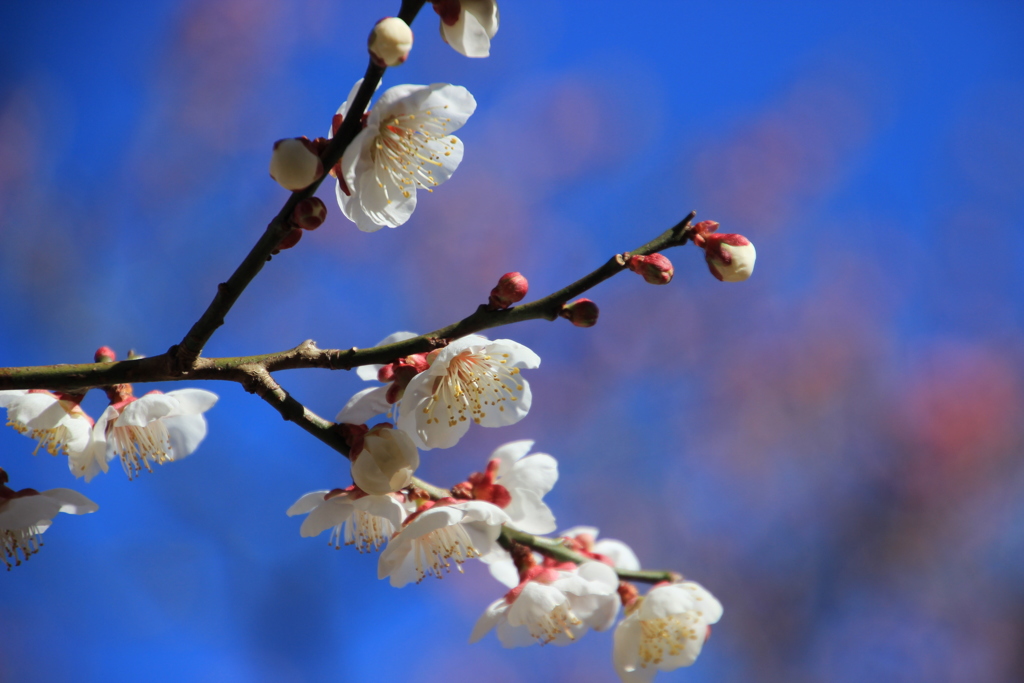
(163, 368)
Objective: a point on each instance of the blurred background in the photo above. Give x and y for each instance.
(833, 448)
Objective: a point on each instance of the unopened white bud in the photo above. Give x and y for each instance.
(730, 257)
(294, 165)
(387, 462)
(390, 42)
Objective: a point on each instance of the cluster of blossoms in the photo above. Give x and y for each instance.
(139, 431)
(551, 598)
(556, 589)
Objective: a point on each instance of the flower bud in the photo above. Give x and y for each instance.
(655, 268)
(581, 313)
(289, 241)
(309, 214)
(105, 354)
(387, 462)
(730, 257)
(511, 288)
(390, 42)
(294, 164)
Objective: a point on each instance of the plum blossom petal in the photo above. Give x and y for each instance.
(664, 631)
(473, 379)
(468, 25)
(365, 521)
(364, 406)
(407, 144)
(438, 536)
(26, 514)
(585, 540)
(58, 424)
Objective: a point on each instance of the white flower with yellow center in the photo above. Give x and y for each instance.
(555, 606)
(365, 521)
(156, 428)
(438, 536)
(406, 145)
(58, 424)
(472, 379)
(664, 631)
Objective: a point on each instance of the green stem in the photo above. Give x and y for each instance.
(555, 549)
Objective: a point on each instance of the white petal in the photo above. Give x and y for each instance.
(468, 36)
(185, 433)
(575, 531)
(537, 473)
(72, 502)
(306, 503)
(146, 409)
(494, 614)
(514, 636)
(327, 516)
(707, 604)
(27, 511)
(364, 406)
(529, 513)
(619, 553)
(519, 356)
(665, 601)
(626, 652)
(504, 570)
(24, 407)
(192, 401)
(508, 454)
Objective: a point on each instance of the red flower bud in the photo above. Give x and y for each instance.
(655, 268)
(581, 313)
(309, 214)
(511, 288)
(289, 241)
(105, 354)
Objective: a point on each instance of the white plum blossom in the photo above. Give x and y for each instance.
(468, 25)
(157, 427)
(26, 514)
(58, 424)
(664, 630)
(555, 606)
(472, 379)
(584, 539)
(386, 462)
(439, 535)
(407, 144)
(368, 521)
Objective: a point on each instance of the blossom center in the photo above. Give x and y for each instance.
(13, 540)
(432, 552)
(404, 153)
(136, 446)
(364, 530)
(473, 382)
(666, 637)
(547, 626)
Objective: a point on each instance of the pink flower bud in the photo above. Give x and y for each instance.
(581, 313)
(390, 42)
(511, 288)
(655, 268)
(105, 354)
(309, 214)
(294, 163)
(730, 257)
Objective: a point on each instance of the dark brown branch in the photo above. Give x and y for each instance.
(186, 353)
(306, 355)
